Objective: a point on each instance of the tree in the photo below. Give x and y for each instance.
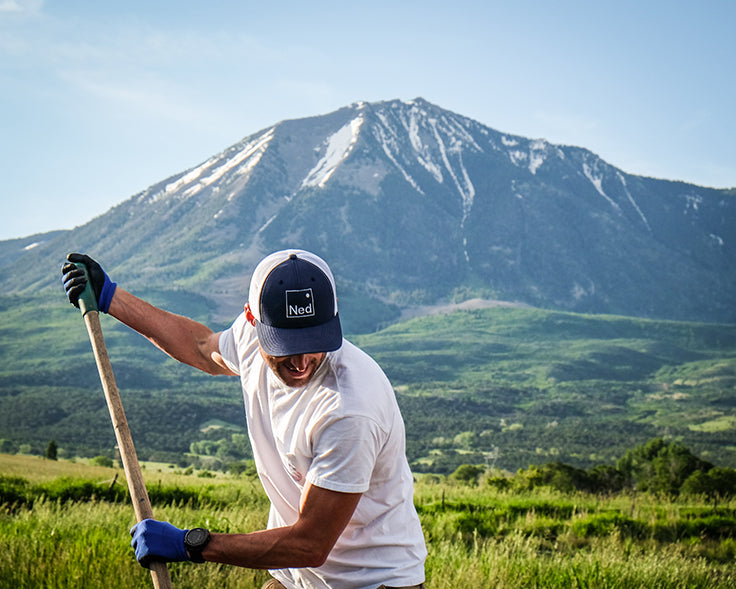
(673, 465)
(717, 483)
(635, 465)
(660, 466)
(605, 478)
(564, 477)
(467, 473)
(52, 450)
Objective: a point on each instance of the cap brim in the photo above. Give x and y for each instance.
(277, 341)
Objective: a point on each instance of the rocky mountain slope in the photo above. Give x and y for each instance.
(415, 205)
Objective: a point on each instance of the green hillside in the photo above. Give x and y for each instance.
(501, 386)
(513, 387)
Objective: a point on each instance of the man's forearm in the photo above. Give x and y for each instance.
(268, 549)
(307, 543)
(181, 338)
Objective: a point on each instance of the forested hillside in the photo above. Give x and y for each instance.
(505, 387)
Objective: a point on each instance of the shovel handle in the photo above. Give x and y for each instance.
(131, 466)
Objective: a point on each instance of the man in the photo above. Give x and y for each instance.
(326, 432)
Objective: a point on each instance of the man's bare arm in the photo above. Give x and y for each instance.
(307, 543)
(181, 338)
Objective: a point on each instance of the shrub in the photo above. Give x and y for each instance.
(467, 474)
(105, 461)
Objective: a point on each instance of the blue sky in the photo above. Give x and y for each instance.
(99, 100)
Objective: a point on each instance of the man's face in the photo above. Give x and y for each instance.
(294, 371)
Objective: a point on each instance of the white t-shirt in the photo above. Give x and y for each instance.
(342, 432)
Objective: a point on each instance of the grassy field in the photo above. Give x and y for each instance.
(65, 525)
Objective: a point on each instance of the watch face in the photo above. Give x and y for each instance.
(196, 537)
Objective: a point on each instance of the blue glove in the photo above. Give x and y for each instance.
(160, 541)
(75, 282)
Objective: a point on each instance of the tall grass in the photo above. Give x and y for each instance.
(519, 560)
(476, 536)
(86, 545)
(480, 537)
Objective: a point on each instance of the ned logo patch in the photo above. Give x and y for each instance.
(299, 303)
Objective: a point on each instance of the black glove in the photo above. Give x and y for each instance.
(75, 281)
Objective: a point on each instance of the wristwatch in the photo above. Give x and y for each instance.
(195, 540)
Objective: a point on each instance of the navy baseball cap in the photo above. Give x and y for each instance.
(292, 298)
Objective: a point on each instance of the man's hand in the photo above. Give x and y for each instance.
(158, 541)
(75, 281)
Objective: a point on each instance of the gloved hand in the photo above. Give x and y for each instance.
(75, 282)
(158, 541)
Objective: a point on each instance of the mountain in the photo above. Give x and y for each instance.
(414, 205)
(420, 212)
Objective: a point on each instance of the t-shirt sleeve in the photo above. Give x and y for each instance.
(228, 345)
(345, 453)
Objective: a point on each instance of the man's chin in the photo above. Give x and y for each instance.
(295, 379)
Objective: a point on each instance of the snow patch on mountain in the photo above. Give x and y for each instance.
(338, 147)
(423, 151)
(537, 154)
(388, 139)
(437, 145)
(596, 179)
(463, 184)
(718, 239)
(459, 131)
(518, 157)
(198, 178)
(631, 199)
(692, 201)
(187, 178)
(252, 152)
(266, 224)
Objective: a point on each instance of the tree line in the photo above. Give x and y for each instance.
(659, 467)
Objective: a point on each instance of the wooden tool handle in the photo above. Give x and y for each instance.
(133, 473)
